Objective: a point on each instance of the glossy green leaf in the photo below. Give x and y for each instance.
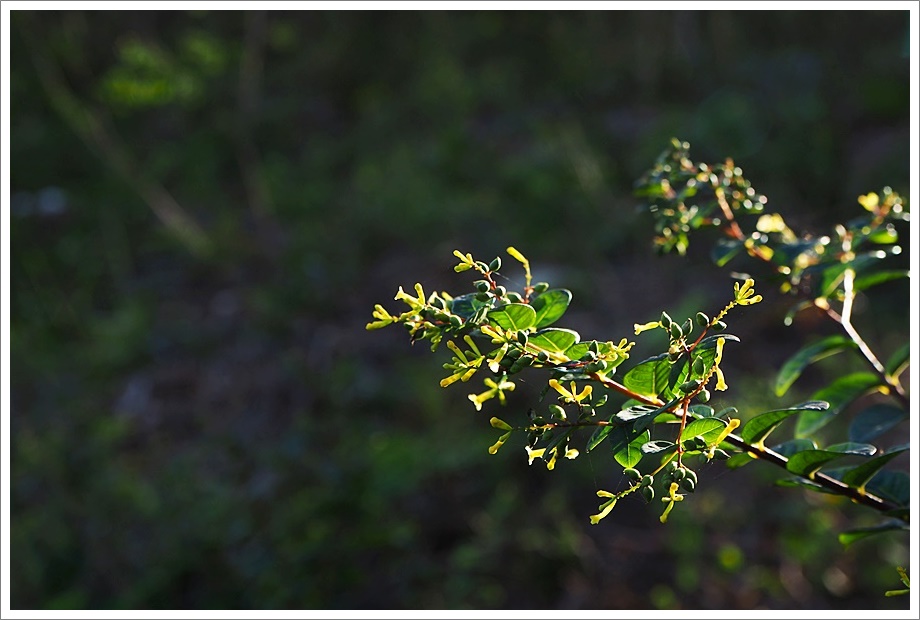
(839, 394)
(757, 429)
(861, 283)
(550, 306)
(788, 448)
(899, 361)
(579, 349)
(707, 428)
(850, 536)
(641, 417)
(891, 485)
(804, 482)
(794, 366)
(874, 421)
(659, 445)
(466, 305)
(861, 474)
(702, 411)
(513, 316)
(650, 377)
(632, 453)
(554, 339)
(621, 436)
(853, 447)
(807, 462)
(711, 341)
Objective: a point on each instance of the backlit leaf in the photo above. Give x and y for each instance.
(874, 421)
(650, 377)
(554, 339)
(513, 316)
(550, 306)
(861, 474)
(632, 453)
(757, 429)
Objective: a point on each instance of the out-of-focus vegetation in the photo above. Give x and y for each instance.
(205, 204)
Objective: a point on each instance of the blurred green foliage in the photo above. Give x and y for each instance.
(209, 426)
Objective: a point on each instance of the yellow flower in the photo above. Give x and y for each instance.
(605, 510)
(570, 396)
(646, 326)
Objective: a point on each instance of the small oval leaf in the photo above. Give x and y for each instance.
(514, 317)
(554, 339)
(550, 306)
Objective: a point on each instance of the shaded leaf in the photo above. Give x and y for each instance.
(833, 274)
(861, 474)
(874, 421)
(757, 429)
(702, 411)
(466, 305)
(891, 485)
(839, 394)
(788, 448)
(724, 250)
(599, 435)
(550, 306)
(898, 362)
(794, 366)
(632, 453)
(553, 339)
(861, 283)
(513, 316)
(850, 536)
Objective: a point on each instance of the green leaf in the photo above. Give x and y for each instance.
(553, 339)
(632, 453)
(853, 447)
(891, 485)
(650, 377)
(757, 429)
(850, 536)
(861, 283)
(640, 416)
(861, 474)
(621, 436)
(899, 361)
(466, 305)
(551, 305)
(514, 317)
(702, 411)
(659, 445)
(788, 448)
(739, 460)
(807, 462)
(874, 421)
(710, 341)
(833, 274)
(707, 428)
(793, 367)
(599, 435)
(724, 250)
(839, 394)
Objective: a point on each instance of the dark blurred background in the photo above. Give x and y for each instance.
(206, 205)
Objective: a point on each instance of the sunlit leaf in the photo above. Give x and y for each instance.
(632, 453)
(807, 462)
(553, 339)
(650, 377)
(550, 306)
(793, 367)
(599, 435)
(621, 436)
(757, 429)
(513, 316)
(707, 428)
